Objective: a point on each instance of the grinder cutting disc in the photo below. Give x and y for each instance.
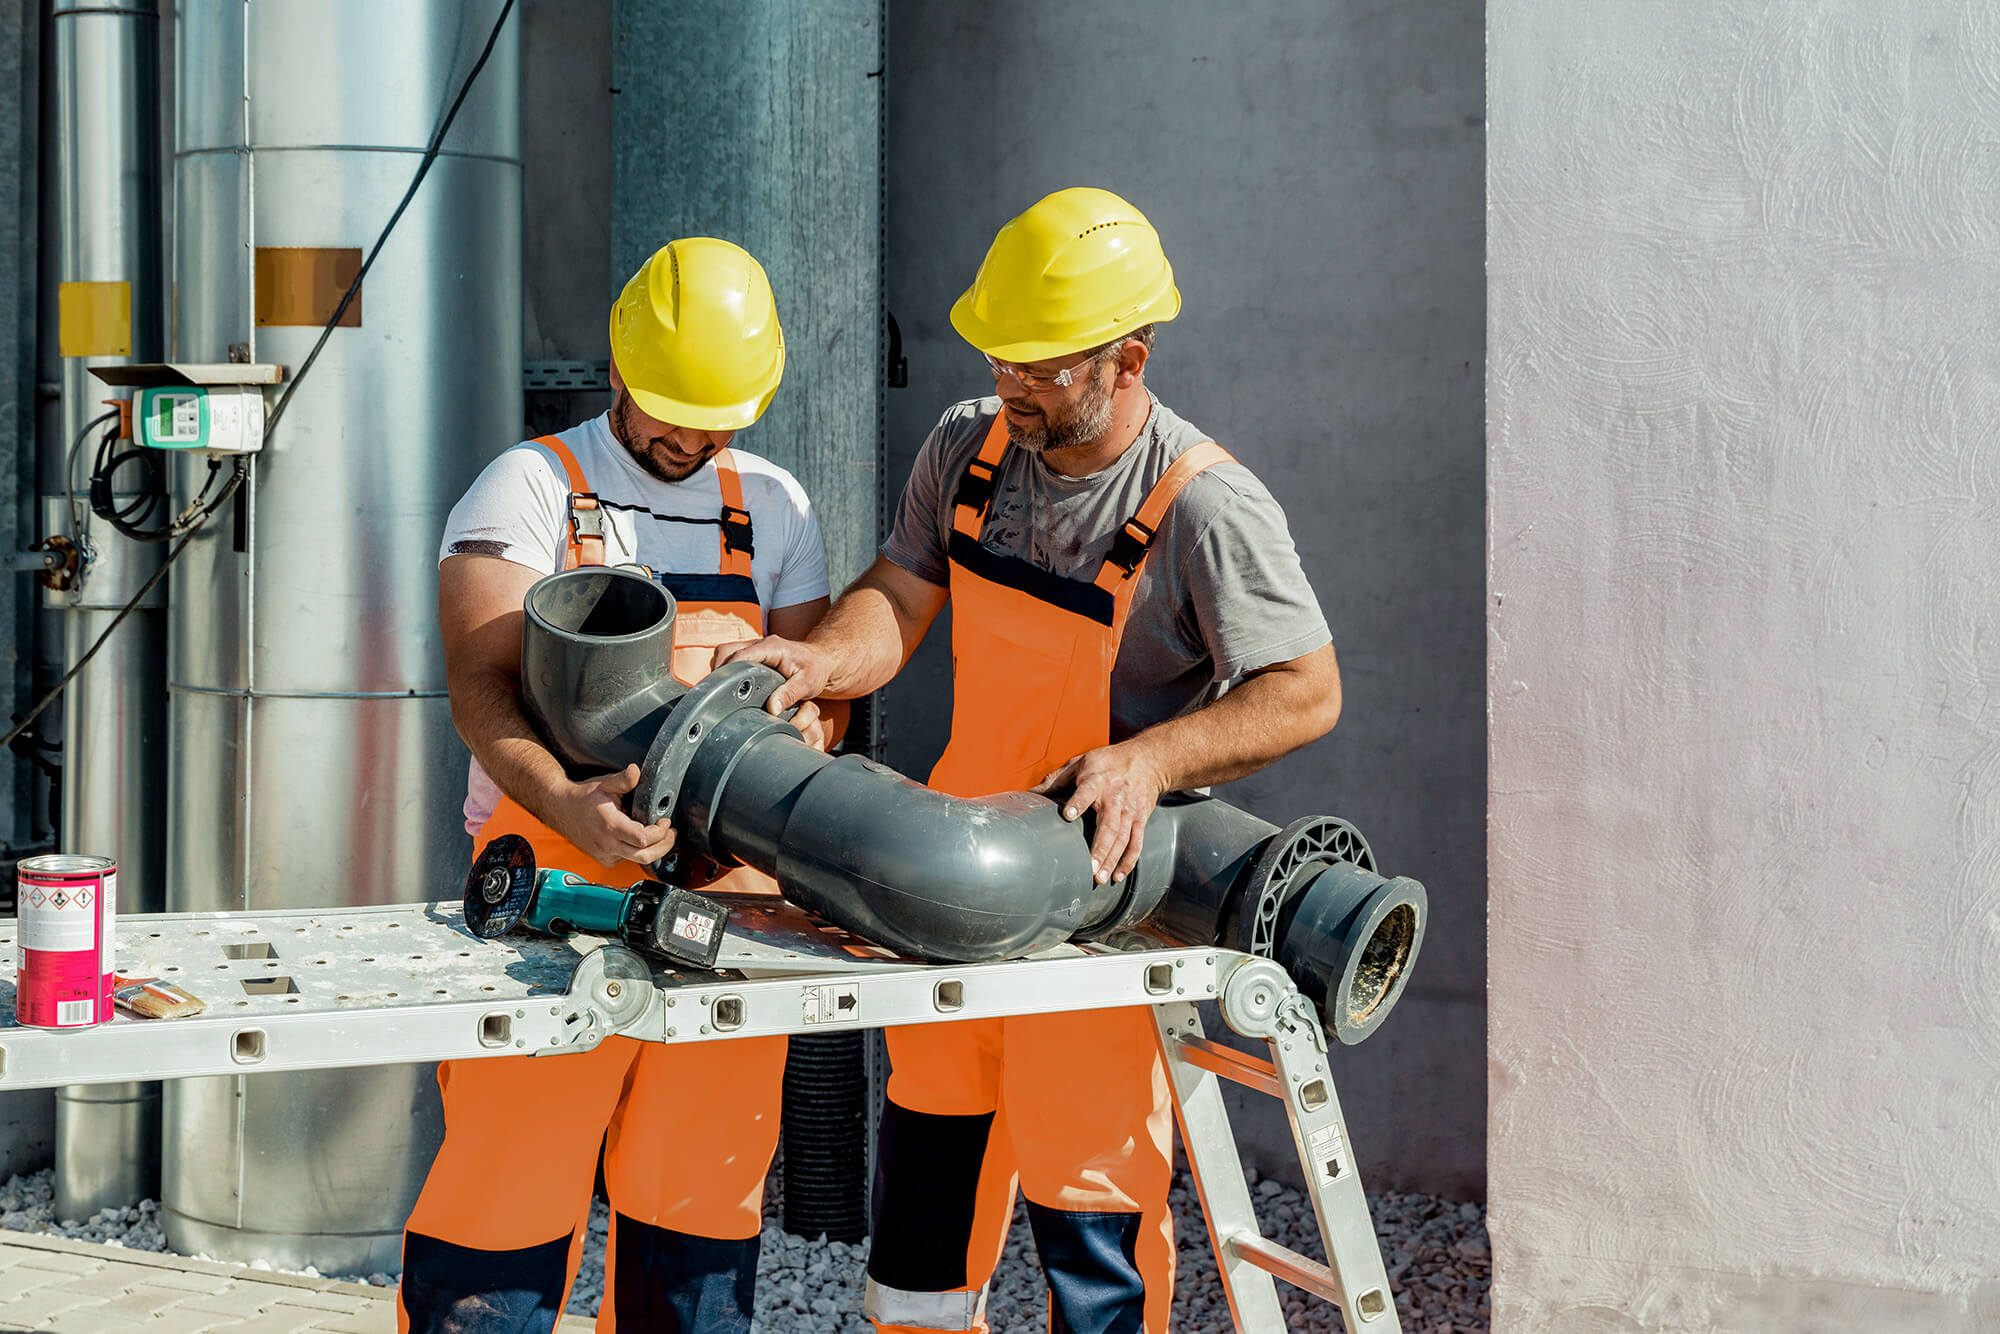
(500, 886)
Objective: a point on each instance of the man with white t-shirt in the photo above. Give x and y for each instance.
(697, 354)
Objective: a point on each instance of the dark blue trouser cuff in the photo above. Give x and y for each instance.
(670, 1282)
(453, 1289)
(1094, 1281)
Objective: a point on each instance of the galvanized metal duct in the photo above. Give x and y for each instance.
(935, 876)
(111, 303)
(763, 123)
(304, 622)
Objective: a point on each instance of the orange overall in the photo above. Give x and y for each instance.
(1076, 1104)
(687, 1131)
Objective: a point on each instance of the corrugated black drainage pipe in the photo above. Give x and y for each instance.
(826, 1136)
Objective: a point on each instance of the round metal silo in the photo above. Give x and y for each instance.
(111, 301)
(313, 758)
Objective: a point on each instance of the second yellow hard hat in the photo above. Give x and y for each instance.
(695, 336)
(1075, 271)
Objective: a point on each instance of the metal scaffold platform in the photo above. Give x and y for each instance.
(311, 989)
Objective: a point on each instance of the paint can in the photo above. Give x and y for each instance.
(68, 910)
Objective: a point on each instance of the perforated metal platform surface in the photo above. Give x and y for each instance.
(308, 988)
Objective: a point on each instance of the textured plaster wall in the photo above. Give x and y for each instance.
(1744, 647)
(1314, 170)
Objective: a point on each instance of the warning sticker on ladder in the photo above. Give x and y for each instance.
(1329, 1152)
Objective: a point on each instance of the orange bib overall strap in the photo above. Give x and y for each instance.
(970, 1103)
(722, 608)
(585, 517)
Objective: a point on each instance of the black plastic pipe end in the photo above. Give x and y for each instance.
(1350, 939)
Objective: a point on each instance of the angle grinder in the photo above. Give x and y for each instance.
(505, 890)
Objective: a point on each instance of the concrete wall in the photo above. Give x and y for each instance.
(1744, 402)
(1314, 171)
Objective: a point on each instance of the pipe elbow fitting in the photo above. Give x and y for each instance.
(596, 665)
(960, 880)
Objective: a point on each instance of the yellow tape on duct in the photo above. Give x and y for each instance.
(304, 284)
(94, 319)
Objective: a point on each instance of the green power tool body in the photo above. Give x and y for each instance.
(505, 891)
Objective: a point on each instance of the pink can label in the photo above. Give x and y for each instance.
(68, 913)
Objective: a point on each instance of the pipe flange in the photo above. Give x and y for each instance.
(1274, 876)
(1254, 996)
(732, 686)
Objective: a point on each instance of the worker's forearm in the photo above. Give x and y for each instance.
(1264, 719)
(486, 709)
(863, 641)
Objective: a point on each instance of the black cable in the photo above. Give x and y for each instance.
(190, 520)
(76, 521)
(116, 621)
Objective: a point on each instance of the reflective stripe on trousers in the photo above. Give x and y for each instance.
(1078, 1104)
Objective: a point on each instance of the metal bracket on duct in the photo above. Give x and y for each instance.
(951, 879)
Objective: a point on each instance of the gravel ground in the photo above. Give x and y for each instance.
(1436, 1252)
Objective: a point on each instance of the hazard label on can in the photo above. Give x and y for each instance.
(61, 920)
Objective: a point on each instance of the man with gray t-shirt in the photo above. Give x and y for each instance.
(1129, 619)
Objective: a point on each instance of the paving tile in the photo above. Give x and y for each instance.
(142, 1300)
(276, 1320)
(181, 1320)
(88, 1320)
(182, 1280)
(114, 1281)
(241, 1299)
(20, 1280)
(38, 1307)
(61, 1262)
(380, 1320)
(323, 1300)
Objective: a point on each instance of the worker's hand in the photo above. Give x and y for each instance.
(805, 668)
(591, 814)
(1122, 786)
(812, 726)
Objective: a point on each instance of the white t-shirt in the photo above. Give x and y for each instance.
(518, 509)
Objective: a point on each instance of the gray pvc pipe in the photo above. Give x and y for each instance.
(596, 654)
(954, 879)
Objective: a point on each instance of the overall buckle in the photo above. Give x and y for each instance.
(1129, 547)
(586, 517)
(737, 533)
(975, 487)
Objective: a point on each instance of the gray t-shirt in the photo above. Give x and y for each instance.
(1221, 593)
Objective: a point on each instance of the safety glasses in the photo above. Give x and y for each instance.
(1039, 381)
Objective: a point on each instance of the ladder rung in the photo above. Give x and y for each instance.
(1233, 1065)
(1280, 1262)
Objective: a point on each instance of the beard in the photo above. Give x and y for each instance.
(1079, 423)
(653, 453)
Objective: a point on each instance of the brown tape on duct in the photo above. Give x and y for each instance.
(304, 284)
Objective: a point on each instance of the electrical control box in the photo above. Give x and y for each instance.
(218, 407)
(228, 419)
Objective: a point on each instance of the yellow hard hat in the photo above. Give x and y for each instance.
(1074, 272)
(695, 336)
